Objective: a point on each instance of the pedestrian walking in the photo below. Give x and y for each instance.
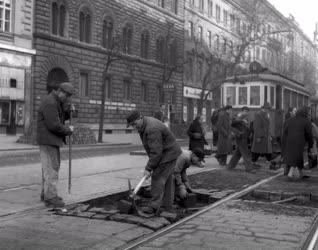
(214, 120)
(297, 132)
(51, 132)
(163, 151)
(291, 112)
(184, 161)
(241, 131)
(224, 145)
(196, 134)
(262, 144)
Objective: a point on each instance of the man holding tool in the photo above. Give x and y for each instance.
(184, 161)
(51, 132)
(163, 151)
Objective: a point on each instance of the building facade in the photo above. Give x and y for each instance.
(131, 47)
(16, 52)
(237, 33)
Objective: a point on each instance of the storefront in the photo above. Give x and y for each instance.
(191, 96)
(15, 71)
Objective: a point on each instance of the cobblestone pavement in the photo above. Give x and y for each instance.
(241, 225)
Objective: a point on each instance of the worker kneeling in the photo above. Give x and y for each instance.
(184, 161)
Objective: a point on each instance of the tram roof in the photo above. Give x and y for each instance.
(271, 77)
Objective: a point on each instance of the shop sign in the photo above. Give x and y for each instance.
(168, 87)
(185, 113)
(195, 93)
(15, 60)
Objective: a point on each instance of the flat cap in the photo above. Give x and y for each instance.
(199, 153)
(67, 87)
(132, 116)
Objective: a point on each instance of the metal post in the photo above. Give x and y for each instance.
(70, 157)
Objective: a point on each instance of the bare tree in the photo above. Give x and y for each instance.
(231, 56)
(113, 54)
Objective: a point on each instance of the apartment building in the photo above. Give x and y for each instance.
(75, 38)
(16, 52)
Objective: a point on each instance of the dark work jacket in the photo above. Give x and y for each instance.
(50, 122)
(196, 127)
(297, 131)
(159, 143)
(223, 126)
(261, 130)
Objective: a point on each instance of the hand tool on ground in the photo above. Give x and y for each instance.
(132, 195)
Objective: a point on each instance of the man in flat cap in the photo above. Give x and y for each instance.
(163, 151)
(51, 132)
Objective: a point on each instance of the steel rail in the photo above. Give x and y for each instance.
(218, 203)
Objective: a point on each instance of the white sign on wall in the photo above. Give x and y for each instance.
(195, 112)
(195, 93)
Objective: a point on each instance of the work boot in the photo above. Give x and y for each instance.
(148, 210)
(54, 202)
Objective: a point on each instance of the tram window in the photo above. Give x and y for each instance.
(242, 96)
(272, 96)
(294, 99)
(255, 96)
(230, 96)
(300, 100)
(287, 103)
(265, 94)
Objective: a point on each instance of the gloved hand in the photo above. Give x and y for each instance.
(182, 192)
(147, 173)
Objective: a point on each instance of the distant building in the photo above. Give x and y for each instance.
(74, 38)
(16, 19)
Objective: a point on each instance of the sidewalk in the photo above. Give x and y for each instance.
(91, 178)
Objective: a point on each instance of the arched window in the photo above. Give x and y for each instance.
(127, 39)
(160, 49)
(85, 26)
(144, 46)
(108, 27)
(59, 19)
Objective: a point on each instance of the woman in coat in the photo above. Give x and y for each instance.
(297, 132)
(262, 144)
(196, 134)
(224, 143)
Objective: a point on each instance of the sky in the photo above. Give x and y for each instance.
(305, 12)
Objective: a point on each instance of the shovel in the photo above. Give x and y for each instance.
(132, 194)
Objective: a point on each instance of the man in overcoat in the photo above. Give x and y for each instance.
(51, 132)
(162, 149)
(297, 132)
(262, 145)
(224, 144)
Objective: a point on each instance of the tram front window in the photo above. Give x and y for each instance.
(255, 96)
(242, 96)
(230, 96)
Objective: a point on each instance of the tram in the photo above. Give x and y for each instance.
(253, 90)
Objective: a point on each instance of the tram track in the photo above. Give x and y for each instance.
(170, 228)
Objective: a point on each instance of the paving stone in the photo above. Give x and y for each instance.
(97, 210)
(85, 214)
(314, 197)
(221, 194)
(204, 196)
(124, 207)
(275, 196)
(172, 217)
(154, 223)
(262, 194)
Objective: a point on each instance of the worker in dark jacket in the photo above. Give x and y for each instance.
(51, 132)
(184, 161)
(163, 151)
(262, 144)
(224, 145)
(196, 134)
(297, 131)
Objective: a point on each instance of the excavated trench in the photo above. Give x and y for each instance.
(209, 187)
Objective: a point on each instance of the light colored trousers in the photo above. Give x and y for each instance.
(50, 159)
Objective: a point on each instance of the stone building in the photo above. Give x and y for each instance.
(16, 18)
(74, 39)
(246, 31)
